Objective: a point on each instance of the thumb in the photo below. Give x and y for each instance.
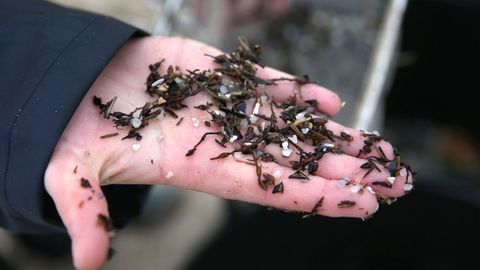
(82, 207)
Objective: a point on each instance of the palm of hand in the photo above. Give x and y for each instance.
(161, 157)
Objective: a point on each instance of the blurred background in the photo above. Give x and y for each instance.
(406, 68)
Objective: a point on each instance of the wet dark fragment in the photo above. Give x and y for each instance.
(382, 183)
(106, 222)
(111, 253)
(298, 175)
(278, 188)
(370, 165)
(345, 204)
(192, 151)
(179, 122)
(109, 135)
(85, 183)
(75, 169)
(268, 180)
(315, 208)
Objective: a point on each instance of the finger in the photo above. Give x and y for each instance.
(83, 209)
(236, 180)
(328, 101)
(341, 166)
(355, 147)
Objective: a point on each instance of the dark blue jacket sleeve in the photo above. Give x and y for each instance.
(49, 57)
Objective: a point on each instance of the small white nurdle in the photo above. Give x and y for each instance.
(277, 174)
(136, 122)
(157, 82)
(355, 189)
(286, 151)
(179, 80)
(233, 138)
(161, 116)
(256, 109)
(196, 122)
(328, 145)
(403, 172)
(237, 155)
(263, 99)
(136, 147)
(169, 175)
(293, 138)
(253, 119)
(244, 122)
(305, 130)
(391, 179)
(223, 89)
(343, 104)
(218, 112)
(300, 116)
(407, 187)
(342, 183)
(370, 189)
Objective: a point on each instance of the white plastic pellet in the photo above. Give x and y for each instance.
(407, 187)
(277, 174)
(355, 189)
(233, 138)
(223, 89)
(341, 183)
(169, 175)
(300, 116)
(244, 122)
(218, 112)
(136, 123)
(136, 147)
(237, 155)
(286, 152)
(179, 80)
(157, 82)
(264, 99)
(328, 145)
(196, 122)
(253, 119)
(391, 179)
(293, 138)
(256, 109)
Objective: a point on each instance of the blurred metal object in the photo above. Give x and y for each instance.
(380, 66)
(165, 17)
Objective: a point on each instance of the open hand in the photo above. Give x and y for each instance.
(82, 162)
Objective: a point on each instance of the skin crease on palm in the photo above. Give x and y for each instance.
(113, 161)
